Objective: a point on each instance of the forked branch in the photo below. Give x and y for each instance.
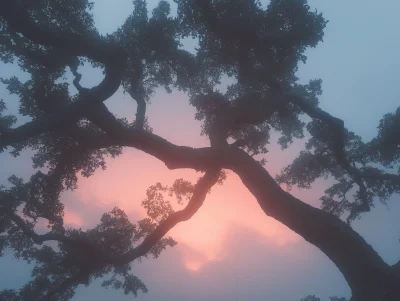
(199, 194)
(196, 201)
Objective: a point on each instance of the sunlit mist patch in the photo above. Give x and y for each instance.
(193, 265)
(197, 255)
(73, 219)
(126, 180)
(193, 259)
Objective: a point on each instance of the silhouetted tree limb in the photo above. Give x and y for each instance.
(239, 52)
(276, 203)
(338, 145)
(71, 114)
(358, 262)
(382, 177)
(97, 260)
(136, 94)
(141, 109)
(196, 201)
(37, 238)
(77, 75)
(112, 56)
(92, 47)
(247, 42)
(311, 223)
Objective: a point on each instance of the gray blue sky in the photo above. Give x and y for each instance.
(221, 256)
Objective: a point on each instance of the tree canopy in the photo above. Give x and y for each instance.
(258, 47)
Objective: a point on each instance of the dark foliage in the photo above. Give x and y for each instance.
(259, 49)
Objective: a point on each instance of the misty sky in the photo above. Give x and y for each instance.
(221, 254)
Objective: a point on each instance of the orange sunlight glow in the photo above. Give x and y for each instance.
(193, 260)
(124, 184)
(127, 178)
(193, 265)
(73, 219)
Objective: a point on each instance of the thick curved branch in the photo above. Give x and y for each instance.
(72, 113)
(39, 239)
(112, 56)
(74, 70)
(199, 194)
(136, 95)
(362, 267)
(95, 259)
(395, 179)
(140, 111)
(336, 125)
(360, 264)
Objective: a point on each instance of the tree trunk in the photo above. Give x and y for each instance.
(368, 276)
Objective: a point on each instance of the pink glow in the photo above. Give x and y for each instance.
(126, 179)
(73, 219)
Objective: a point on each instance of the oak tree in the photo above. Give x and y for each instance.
(258, 47)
